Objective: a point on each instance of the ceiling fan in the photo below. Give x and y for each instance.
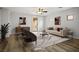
(41, 11)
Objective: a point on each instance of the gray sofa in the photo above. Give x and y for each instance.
(62, 32)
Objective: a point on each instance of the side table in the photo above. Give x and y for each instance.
(70, 35)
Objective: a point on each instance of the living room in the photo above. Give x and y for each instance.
(57, 21)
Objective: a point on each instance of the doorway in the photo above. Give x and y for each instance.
(35, 24)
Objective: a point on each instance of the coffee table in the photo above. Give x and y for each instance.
(43, 34)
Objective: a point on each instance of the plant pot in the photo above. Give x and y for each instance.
(3, 44)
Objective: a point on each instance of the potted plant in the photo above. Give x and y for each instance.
(4, 31)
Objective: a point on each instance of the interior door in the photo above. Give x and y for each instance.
(35, 24)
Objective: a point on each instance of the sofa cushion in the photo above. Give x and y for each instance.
(50, 28)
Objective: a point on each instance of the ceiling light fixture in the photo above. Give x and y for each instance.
(60, 7)
(41, 11)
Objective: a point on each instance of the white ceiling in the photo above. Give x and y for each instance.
(32, 10)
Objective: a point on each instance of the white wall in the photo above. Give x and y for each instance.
(0, 22)
(73, 25)
(44, 22)
(0, 19)
(41, 24)
(13, 18)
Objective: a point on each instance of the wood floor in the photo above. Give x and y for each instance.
(67, 46)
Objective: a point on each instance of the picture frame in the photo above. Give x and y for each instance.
(70, 17)
(22, 20)
(57, 20)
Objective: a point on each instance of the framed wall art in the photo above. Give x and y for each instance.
(22, 20)
(70, 17)
(57, 20)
